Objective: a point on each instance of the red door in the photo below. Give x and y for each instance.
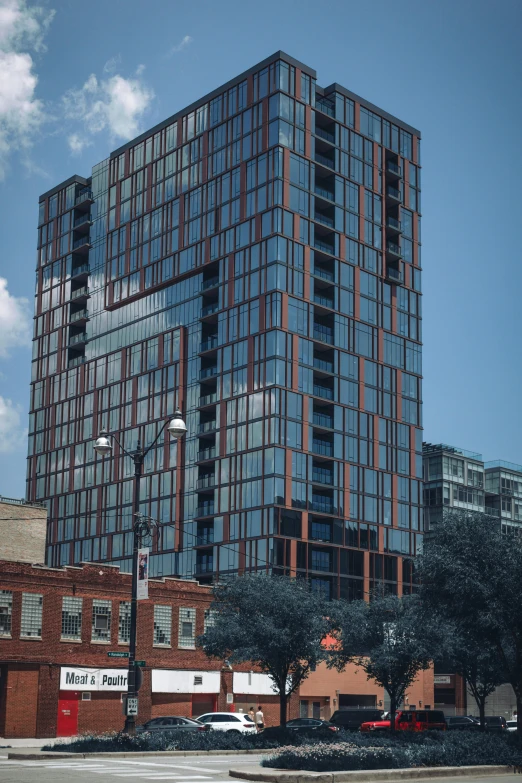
(67, 723)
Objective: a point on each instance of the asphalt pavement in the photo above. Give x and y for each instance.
(186, 769)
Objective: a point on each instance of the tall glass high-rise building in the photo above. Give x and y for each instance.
(254, 260)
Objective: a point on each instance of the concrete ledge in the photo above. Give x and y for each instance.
(368, 776)
(45, 755)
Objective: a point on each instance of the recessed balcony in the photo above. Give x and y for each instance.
(393, 194)
(393, 170)
(393, 249)
(394, 275)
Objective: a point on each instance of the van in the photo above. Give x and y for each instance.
(351, 719)
(410, 720)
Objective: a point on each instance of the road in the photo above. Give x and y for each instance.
(185, 769)
(201, 769)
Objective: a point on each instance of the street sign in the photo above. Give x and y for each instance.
(118, 654)
(139, 663)
(131, 705)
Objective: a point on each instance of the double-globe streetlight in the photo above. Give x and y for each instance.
(141, 528)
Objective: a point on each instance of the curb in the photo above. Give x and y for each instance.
(368, 776)
(45, 755)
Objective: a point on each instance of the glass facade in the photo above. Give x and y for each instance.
(254, 260)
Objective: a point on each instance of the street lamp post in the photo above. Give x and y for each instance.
(141, 528)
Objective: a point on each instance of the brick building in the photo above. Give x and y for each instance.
(23, 528)
(57, 626)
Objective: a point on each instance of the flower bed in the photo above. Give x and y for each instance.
(436, 749)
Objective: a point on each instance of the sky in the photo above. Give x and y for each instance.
(77, 80)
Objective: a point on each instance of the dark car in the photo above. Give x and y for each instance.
(496, 723)
(302, 726)
(351, 719)
(172, 723)
(462, 723)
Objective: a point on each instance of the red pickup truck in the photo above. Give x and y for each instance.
(410, 720)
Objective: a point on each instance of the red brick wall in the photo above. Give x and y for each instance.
(22, 701)
(102, 713)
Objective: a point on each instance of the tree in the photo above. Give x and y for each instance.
(477, 661)
(471, 573)
(274, 622)
(387, 639)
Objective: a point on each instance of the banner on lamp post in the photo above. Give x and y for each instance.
(143, 574)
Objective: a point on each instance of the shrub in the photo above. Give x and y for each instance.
(370, 751)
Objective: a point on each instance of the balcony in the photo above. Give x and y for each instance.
(81, 245)
(205, 454)
(325, 106)
(324, 219)
(76, 361)
(322, 476)
(393, 169)
(322, 420)
(394, 275)
(84, 198)
(207, 372)
(209, 344)
(325, 247)
(205, 509)
(80, 271)
(209, 309)
(205, 539)
(322, 447)
(323, 391)
(323, 160)
(207, 426)
(84, 219)
(324, 274)
(393, 249)
(324, 193)
(392, 224)
(324, 301)
(323, 364)
(80, 293)
(322, 505)
(78, 339)
(211, 283)
(207, 399)
(324, 134)
(323, 333)
(205, 482)
(204, 568)
(80, 315)
(393, 194)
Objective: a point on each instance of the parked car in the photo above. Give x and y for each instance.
(351, 719)
(172, 723)
(462, 723)
(511, 725)
(302, 726)
(496, 723)
(229, 721)
(410, 720)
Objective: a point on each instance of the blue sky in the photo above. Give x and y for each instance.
(79, 80)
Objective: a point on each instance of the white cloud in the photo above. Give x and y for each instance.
(77, 143)
(115, 104)
(15, 321)
(22, 30)
(185, 41)
(13, 436)
(111, 65)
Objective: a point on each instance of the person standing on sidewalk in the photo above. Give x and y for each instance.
(260, 719)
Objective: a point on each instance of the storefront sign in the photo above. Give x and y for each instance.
(73, 679)
(442, 679)
(143, 574)
(185, 681)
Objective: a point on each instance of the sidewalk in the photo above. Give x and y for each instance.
(30, 743)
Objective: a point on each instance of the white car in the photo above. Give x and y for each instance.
(236, 722)
(511, 725)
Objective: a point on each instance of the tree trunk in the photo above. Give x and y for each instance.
(393, 710)
(283, 700)
(482, 712)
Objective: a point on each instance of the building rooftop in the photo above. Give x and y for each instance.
(428, 448)
(500, 463)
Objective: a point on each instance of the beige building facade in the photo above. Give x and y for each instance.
(23, 529)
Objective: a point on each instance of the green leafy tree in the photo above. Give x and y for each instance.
(275, 623)
(386, 639)
(471, 574)
(477, 661)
